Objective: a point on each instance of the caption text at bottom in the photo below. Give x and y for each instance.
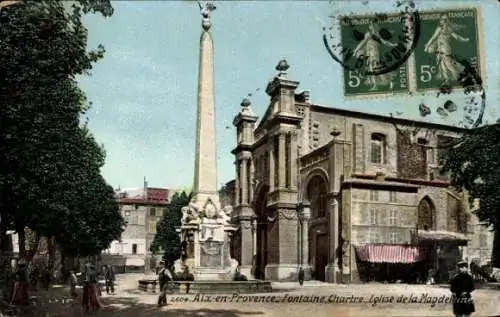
(372, 300)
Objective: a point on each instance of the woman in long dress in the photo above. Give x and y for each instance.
(448, 70)
(369, 49)
(20, 294)
(90, 298)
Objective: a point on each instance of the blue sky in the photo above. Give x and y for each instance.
(144, 90)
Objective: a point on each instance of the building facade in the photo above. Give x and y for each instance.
(142, 209)
(315, 185)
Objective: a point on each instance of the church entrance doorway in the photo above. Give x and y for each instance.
(261, 211)
(321, 256)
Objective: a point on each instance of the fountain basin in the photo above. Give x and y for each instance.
(218, 287)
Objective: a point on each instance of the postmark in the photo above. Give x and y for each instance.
(474, 95)
(373, 50)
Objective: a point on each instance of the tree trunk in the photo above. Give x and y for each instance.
(32, 241)
(495, 253)
(22, 242)
(51, 246)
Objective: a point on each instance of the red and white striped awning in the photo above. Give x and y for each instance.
(388, 253)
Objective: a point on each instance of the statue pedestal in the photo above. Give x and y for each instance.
(207, 240)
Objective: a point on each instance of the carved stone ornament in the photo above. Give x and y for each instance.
(288, 214)
(245, 224)
(190, 214)
(226, 213)
(210, 210)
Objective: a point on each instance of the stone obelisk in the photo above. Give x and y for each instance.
(205, 226)
(205, 169)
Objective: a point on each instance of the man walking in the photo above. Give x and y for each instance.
(462, 285)
(110, 280)
(164, 277)
(301, 276)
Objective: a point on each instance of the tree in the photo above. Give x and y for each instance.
(475, 167)
(49, 162)
(166, 238)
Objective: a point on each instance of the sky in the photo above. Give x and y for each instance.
(143, 92)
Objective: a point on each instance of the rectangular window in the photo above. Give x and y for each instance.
(134, 248)
(393, 197)
(133, 220)
(394, 237)
(152, 212)
(483, 243)
(393, 217)
(377, 148)
(141, 220)
(159, 212)
(373, 216)
(373, 195)
(152, 227)
(372, 236)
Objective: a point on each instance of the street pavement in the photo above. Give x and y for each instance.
(288, 299)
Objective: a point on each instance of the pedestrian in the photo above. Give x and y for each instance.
(73, 281)
(109, 277)
(164, 277)
(461, 286)
(90, 298)
(34, 275)
(20, 294)
(45, 277)
(301, 276)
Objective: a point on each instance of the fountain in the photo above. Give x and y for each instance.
(206, 228)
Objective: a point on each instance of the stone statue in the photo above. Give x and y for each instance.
(205, 13)
(225, 215)
(190, 214)
(206, 8)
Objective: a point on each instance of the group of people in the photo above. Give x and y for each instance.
(25, 277)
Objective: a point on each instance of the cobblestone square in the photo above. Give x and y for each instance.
(288, 299)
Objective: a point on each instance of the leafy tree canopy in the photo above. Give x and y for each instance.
(475, 167)
(49, 162)
(166, 238)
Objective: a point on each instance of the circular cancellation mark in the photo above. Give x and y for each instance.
(475, 94)
(364, 55)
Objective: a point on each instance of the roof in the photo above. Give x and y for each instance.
(378, 117)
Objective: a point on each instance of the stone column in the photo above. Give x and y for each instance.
(196, 249)
(247, 245)
(293, 161)
(254, 237)
(251, 181)
(282, 160)
(305, 218)
(244, 182)
(271, 165)
(237, 183)
(332, 269)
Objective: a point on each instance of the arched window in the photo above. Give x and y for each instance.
(377, 148)
(317, 196)
(426, 215)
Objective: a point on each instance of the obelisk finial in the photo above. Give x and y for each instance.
(205, 13)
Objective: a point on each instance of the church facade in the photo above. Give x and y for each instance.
(315, 185)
